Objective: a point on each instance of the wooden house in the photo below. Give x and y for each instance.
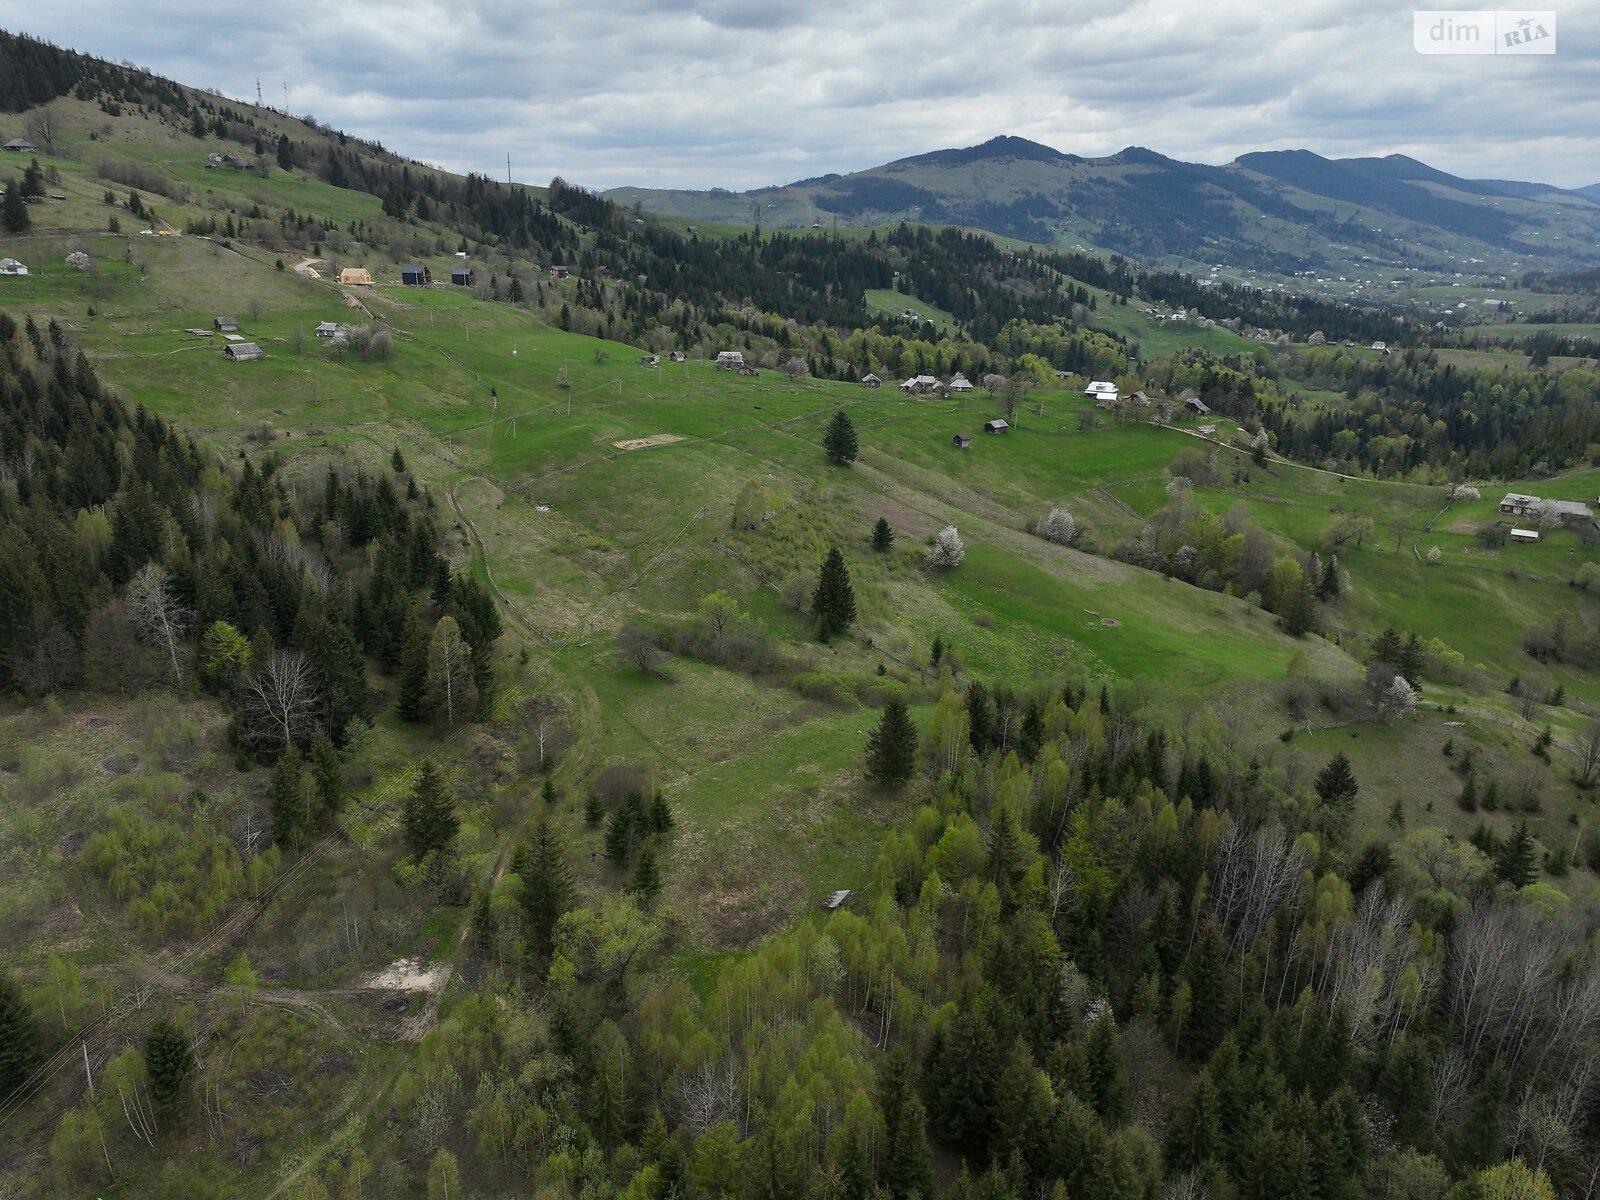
(559, 272)
(920, 385)
(650, 360)
(730, 360)
(871, 381)
(225, 324)
(242, 352)
(463, 277)
(998, 425)
(327, 329)
(1518, 505)
(962, 441)
(960, 384)
(20, 146)
(677, 356)
(355, 277)
(415, 275)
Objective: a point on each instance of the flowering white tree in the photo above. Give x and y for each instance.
(1462, 491)
(1060, 527)
(948, 550)
(1397, 701)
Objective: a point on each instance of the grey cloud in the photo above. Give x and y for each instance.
(743, 93)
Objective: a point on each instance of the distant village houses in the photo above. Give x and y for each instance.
(920, 385)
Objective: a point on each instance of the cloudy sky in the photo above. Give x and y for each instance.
(742, 93)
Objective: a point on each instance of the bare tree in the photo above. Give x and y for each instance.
(1256, 874)
(709, 1094)
(277, 700)
(42, 128)
(451, 692)
(157, 616)
(637, 645)
(1588, 751)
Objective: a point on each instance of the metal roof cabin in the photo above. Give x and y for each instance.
(998, 425)
(225, 324)
(327, 329)
(414, 275)
(20, 146)
(730, 360)
(960, 384)
(463, 277)
(871, 381)
(242, 352)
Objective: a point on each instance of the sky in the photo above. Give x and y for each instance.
(748, 93)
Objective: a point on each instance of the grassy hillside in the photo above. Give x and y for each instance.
(591, 492)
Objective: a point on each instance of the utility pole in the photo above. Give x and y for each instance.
(508, 168)
(286, 96)
(259, 103)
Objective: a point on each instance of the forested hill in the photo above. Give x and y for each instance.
(1283, 212)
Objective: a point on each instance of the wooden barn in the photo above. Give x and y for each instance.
(242, 352)
(998, 425)
(962, 441)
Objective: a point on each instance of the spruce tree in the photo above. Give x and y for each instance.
(291, 810)
(546, 891)
(1515, 862)
(168, 1061)
(646, 883)
(19, 1037)
(840, 439)
(593, 811)
(892, 746)
(980, 717)
(328, 772)
(882, 536)
(547, 793)
(833, 603)
(429, 815)
(906, 1167)
(622, 831)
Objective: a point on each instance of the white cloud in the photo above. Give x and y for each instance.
(738, 94)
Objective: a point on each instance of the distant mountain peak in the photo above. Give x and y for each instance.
(1003, 146)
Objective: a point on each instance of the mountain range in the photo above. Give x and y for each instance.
(1281, 211)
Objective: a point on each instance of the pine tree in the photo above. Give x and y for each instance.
(546, 891)
(429, 815)
(1516, 862)
(623, 831)
(892, 746)
(1030, 740)
(646, 883)
(936, 651)
(1108, 1074)
(1195, 1133)
(833, 603)
(412, 704)
(593, 812)
(547, 793)
(906, 1168)
(882, 536)
(840, 439)
(980, 717)
(168, 1061)
(1336, 783)
(1409, 662)
(287, 796)
(19, 1037)
(14, 212)
(661, 818)
(328, 772)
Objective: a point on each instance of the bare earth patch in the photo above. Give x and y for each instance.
(408, 975)
(644, 443)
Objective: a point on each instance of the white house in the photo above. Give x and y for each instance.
(729, 360)
(10, 266)
(1102, 393)
(960, 384)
